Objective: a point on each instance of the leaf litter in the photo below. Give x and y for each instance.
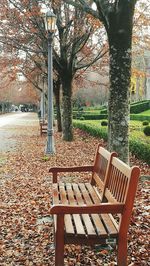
(26, 226)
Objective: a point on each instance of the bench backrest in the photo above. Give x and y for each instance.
(121, 186)
(102, 162)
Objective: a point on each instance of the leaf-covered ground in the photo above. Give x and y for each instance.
(26, 227)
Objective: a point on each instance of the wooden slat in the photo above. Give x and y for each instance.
(68, 219)
(86, 218)
(109, 196)
(95, 217)
(109, 224)
(76, 217)
(93, 193)
(121, 166)
(111, 229)
(117, 185)
(124, 189)
(119, 190)
(114, 221)
(98, 181)
(104, 152)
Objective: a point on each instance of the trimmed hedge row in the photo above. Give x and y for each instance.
(105, 116)
(135, 103)
(92, 130)
(90, 116)
(135, 108)
(139, 107)
(104, 111)
(139, 117)
(139, 149)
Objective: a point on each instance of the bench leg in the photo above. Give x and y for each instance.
(59, 254)
(59, 241)
(122, 253)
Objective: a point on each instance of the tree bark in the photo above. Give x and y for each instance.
(120, 44)
(58, 109)
(67, 108)
(118, 106)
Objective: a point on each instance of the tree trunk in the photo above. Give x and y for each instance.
(58, 109)
(120, 39)
(118, 106)
(67, 108)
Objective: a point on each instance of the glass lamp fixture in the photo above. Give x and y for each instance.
(50, 21)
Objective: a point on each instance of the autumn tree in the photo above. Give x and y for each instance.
(21, 37)
(140, 51)
(117, 18)
(74, 37)
(23, 19)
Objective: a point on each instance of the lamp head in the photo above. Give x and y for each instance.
(50, 21)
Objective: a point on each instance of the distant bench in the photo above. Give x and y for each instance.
(43, 127)
(97, 212)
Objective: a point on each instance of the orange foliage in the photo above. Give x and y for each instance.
(94, 22)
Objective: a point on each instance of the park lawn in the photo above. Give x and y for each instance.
(133, 123)
(147, 112)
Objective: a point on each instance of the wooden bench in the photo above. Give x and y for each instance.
(97, 212)
(43, 127)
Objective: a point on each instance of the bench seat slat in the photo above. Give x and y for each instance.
(96, 196)
(95, 217)
(106, 219)
(86, 218)
(109, 224)
(90, 225)
(79, 228)
(68, 218)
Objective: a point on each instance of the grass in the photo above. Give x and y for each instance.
(147, 112)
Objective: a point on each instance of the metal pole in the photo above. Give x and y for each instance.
(50, 138)
(43, 100)
(42, 106)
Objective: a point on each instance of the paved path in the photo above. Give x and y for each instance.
(10, 125)
(11, 119)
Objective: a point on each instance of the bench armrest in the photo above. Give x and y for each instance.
(56, 170)
(88, 209)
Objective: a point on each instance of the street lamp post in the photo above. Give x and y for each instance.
(50, 22)
(43, 100)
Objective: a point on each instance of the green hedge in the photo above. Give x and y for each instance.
(139, 117)
(143, 101)
(139, 149)
(90, 116)
(92, 130)
(135, 108)
(139, 107)
(104, 111)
